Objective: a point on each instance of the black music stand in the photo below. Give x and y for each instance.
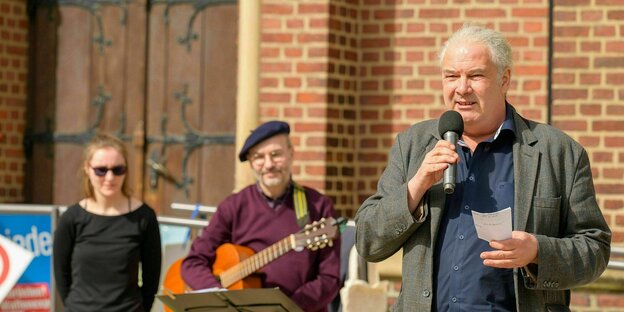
(254, 299)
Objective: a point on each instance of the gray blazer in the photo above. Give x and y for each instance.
(554, 199)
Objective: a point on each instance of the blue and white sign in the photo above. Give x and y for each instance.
(33, 233)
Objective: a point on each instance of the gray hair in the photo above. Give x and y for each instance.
(500, 50)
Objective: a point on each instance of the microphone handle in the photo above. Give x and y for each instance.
(450, 172)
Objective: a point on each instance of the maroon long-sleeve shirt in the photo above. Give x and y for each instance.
(309, 278)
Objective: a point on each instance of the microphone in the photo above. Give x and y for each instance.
(451, 127)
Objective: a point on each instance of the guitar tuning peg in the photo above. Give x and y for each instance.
(330, 243)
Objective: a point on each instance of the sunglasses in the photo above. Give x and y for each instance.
(102, 171)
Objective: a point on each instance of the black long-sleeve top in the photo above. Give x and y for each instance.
(96, 260)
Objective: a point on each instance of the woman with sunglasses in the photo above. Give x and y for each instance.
(100, 241)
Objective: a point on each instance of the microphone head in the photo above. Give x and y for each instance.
(451, 121)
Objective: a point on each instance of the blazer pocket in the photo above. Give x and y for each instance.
(547, 214)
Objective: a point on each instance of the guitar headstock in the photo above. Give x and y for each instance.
(318, 234)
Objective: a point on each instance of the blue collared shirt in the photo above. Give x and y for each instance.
(485, 183)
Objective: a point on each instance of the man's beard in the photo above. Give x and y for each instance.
(277, 180)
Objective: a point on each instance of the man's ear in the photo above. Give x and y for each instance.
(505, 80)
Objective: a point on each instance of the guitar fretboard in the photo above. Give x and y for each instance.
(257, 261)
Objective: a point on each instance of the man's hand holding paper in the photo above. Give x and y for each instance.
(512, 249)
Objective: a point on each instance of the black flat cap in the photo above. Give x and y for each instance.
(263, 132)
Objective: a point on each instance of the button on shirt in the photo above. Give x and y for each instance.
(485, 183)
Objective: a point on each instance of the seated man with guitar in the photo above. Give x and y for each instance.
(269, 219)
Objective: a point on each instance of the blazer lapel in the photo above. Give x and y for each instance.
(437, 197)
(526, 161)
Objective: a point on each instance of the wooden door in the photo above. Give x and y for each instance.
(191, 92)
(124, 67)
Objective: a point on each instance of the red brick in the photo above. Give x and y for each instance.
(530, 85)
(591, 109)
(571, 125)
(292, 82)
(563, 78)
(564, 3)
(268, 82)
(275, 97)
(375, 43)
(312, 8)
(591, 46)
(374, 99)
(603, 94)
(390, 70)
(281, 67)
(316, 82)
(531, 70)
(293, 52)
(571, 31)
(529, 12)
(293, 112)
(610, 2)
(277, 38)
(312, 67)
(615, 47)
(280, 9)
(439, 13)
(589, 141)
(294, 24)
(610, 300)
(413, 99)
(306, 38)
(485, 13)
(615, 15)
(571, 62)
(271, 23)
(415, 42)
(569, 94)
(393, 14)
(392, 84)
(415, 27)
(371, 29)
(609, 62)
(614, 205)
(438, 28)
(308, 97)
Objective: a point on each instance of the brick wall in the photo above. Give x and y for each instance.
(587, 94)
(307, 77)
(588, 65)
(13, 76)
(293, 79)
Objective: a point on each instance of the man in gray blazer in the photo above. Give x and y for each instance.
(560, 239)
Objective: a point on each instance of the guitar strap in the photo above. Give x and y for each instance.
(301, 205)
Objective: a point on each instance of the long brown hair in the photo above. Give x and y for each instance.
(100, 141)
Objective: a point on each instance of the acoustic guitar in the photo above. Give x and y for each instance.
(235, 265)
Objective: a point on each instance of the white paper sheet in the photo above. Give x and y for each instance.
(494, 225)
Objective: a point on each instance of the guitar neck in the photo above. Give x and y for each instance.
(257, 261)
